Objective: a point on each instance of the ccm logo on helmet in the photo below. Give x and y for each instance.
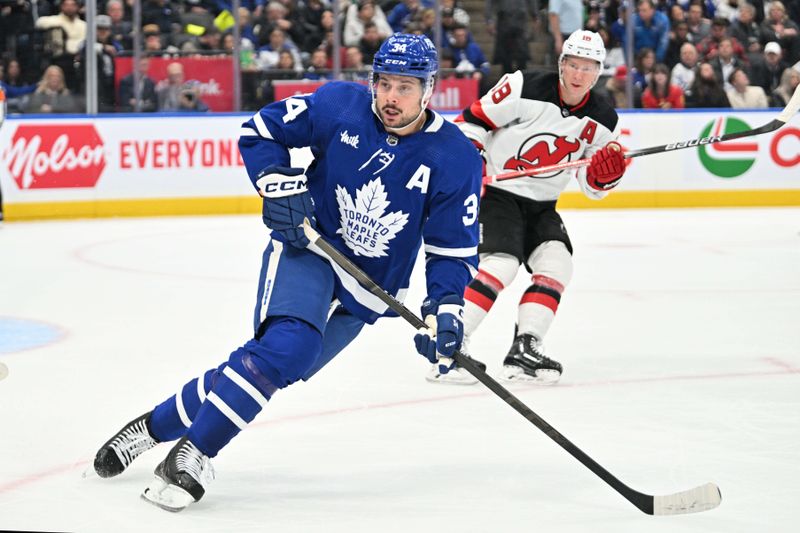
(396, 61)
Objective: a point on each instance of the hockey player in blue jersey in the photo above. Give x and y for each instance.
(387, 174)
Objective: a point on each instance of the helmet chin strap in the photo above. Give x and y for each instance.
(426, 98)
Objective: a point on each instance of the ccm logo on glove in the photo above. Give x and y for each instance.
(280, 185)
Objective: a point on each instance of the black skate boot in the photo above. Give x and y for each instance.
(181, 478)
(129, 443)
(526, 362)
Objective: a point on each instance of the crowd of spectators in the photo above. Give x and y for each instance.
(685, 53)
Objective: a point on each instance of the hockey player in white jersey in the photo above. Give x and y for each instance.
(526, 121)
(386, 173)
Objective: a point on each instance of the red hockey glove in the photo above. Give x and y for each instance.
(606, 168)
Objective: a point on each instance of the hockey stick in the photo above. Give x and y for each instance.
(784, 117)
(702, 498)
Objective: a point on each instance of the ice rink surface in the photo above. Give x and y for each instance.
(679, 335)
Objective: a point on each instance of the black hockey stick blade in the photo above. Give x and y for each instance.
(698, 499)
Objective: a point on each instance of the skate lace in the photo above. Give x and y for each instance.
(536, 348)
(132, 442)
(192, 461)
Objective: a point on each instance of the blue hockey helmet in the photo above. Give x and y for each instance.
(406, 54)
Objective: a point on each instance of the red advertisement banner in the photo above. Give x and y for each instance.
(213, 73)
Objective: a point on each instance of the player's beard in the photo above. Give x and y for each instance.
(405, 120)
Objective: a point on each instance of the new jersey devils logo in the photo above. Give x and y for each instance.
(541, 150)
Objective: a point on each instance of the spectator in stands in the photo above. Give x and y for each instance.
(162, 13)
(452, 16)
(277, 15)
(778, 27)
(268, 55)
(678, 37)
(614, 54)
(358, 15)
(709, 47)
(615, 89)
(706, 90)
(121, 28)
(660, 93)
(765, 71)
(153, 45)
(318, 69)
(12, 83)
(316, 35)
(446, 65)
(52, 95)
(742, 95)
(676, 15)
(643, 68)
(565, 17)
(70, 22)
(370, 42)
(403, 13)
(509, 21)
(727, 9)
(593, 20)
(354, 65)
(699, 26)
(683, 73)
(467, 55)
(174, 94)
(148, 101)
(210, 40)
(105, 50)
(725, 62)
(650, 30)
(790, 79)
(745, 29)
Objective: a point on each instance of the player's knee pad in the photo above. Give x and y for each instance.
(552, 260)
(502, 267)
(281, 356)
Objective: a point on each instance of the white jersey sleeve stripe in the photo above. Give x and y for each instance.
(225, 409)
(247, 132)
(201, 390)
(182, 414)
(246, 386)
(261, 126)
(451, 252)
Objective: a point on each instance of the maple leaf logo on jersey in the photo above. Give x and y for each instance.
(366, 227)
(543, 150)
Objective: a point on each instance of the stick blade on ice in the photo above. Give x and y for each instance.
(696, 500)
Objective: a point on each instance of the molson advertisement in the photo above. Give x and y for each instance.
(110, 166)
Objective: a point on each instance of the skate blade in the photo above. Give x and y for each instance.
(513, 374)
(167, 496)
(90, 472)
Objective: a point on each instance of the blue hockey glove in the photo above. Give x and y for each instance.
(446, 318)
(286, 202)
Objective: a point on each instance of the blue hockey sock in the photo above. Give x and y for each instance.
(254, 372)
(172, 417)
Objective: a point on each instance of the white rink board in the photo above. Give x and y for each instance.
(195, 156)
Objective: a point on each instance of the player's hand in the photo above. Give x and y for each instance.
(606, 168)
(287, 202)
(445, 320)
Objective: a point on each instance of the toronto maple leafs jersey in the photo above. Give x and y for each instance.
(522, 123)
(377, 195)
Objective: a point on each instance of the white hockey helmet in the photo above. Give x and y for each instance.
(586, 44)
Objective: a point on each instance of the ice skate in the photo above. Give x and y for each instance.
(456, 375)
(129, 443)
(525, 362)
(181, 478)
